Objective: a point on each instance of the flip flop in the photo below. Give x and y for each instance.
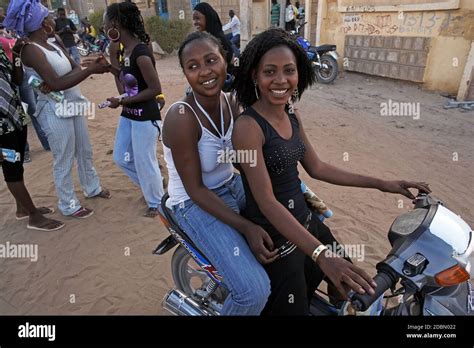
(50, 211)
(44, 228)
(81, 210)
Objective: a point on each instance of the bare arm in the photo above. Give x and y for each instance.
(114, 48)
(248, 136)
(33, 57)
(323, 171)
(181, 135)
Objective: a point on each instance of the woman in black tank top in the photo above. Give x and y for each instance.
(274, 69)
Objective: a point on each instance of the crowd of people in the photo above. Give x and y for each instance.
(220, 210)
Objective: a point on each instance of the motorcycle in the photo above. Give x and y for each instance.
(100, 45)
(429, 263)
(324, 58)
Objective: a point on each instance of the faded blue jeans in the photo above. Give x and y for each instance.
(69, 141)
(135, 153)
(228, 251)
(74, 52)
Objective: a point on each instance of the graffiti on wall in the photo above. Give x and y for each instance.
(420, 23)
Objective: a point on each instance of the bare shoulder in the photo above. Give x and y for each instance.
(30, 53)
(246, 129)
(180, 121)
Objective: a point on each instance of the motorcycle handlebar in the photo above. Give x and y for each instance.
(385, 280)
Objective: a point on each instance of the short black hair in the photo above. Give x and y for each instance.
(253, 53)
(60, 9)
(200, 35)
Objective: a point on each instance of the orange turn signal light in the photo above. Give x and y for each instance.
(452, 276)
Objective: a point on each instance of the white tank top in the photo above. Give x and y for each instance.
(215, 171)
(61, 65)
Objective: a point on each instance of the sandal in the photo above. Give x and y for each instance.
(82, 213)
(42, 210)
(57, 225)
(152, 213)
(102, 194)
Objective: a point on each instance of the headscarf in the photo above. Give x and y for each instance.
(214, 27)
(25, 16)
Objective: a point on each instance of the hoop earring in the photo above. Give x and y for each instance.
(256, 89)
(49, 32)
(110, 36)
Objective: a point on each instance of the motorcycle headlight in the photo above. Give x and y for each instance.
(453, 230)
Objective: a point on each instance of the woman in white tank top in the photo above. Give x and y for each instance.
(66, 131)
(205, 194)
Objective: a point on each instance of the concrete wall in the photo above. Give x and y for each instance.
(450, 34)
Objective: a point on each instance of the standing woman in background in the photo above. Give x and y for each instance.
(138, 128)
(205, 18)
(66, 131)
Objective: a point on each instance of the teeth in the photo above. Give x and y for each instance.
(281, 91)
(208, 82)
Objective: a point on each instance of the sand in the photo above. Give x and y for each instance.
(105, 265)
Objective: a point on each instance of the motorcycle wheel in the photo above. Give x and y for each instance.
(83, 51)
(189, 277)
(329, 74)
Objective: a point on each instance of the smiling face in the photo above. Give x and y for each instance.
(204, 67)
(277, 75)
(199, 21)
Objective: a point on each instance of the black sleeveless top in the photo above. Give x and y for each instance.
(281, 158)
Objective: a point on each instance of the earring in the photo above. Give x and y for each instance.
(115, 39)
(256, 89)
(295, 95)
(49, 32)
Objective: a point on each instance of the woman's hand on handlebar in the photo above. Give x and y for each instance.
(261, 244)
(344, 275)
(402, 186)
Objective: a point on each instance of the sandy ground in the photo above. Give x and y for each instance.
(86, 268)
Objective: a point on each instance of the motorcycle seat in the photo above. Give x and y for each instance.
(324, 48)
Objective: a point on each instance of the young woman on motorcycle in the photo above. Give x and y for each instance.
(205, 194)
(273, 70)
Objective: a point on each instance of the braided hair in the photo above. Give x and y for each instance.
(199, 35)
(253, 53)
(129, 17)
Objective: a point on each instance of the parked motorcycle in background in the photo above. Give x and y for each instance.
(324, 58)
(100, 45)
(428, 269)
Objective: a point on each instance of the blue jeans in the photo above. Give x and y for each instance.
(69, 141)
(228, 251)
(74, 52)
(27, 96)
(234, 41)
(135, 154)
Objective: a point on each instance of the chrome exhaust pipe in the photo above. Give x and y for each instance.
(179, 304)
